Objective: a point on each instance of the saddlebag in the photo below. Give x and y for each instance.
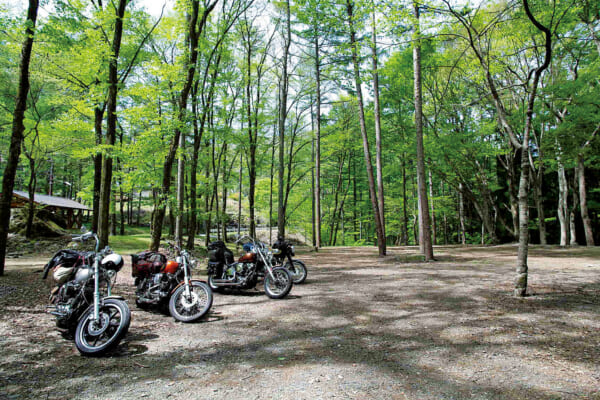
(219, 253)
(64, 258)
(146, 263)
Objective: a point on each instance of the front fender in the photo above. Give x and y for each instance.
(191, 283)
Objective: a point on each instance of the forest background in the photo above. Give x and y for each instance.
(217, 114)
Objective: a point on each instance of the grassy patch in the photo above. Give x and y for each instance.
(130, 243)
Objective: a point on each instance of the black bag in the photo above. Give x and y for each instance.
(68, 258)
(219, 253)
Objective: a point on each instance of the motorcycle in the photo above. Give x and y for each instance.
(282, 256)
(168, 283)
(83, 303)
(245, 273)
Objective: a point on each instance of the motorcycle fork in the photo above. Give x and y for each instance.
(268, 265)
(186, 278)
(97, 289)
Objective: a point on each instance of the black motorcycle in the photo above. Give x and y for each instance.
(246, 272)
(168, 283)
(283, 252)
(82, 302)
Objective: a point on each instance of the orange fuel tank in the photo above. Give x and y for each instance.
(171, 267)
(248, 257)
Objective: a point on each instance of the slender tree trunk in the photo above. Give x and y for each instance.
(271, 190)
(198, 130)
(404, 204)
(583, 206)
(572, 227)
(539, 204)
(240, 196)
(139, 212)
(379, 164)
(180, 192)
(424, 222)
(433, 224)
(563, 209)
(111, 124)
(98, 117)
(461, 214)
(363, 129)
(312, 198)
(18, 128)
(281, 205)
(522, 268)
(31, 203)
(195, 28)
(317, 191)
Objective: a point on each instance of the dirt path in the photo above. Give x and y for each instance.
(360, 328)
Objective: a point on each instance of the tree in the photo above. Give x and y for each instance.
(8, 179)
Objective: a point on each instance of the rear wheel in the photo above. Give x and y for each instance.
(298, 271)
(190, 308)
(279, 287)
(94, 338)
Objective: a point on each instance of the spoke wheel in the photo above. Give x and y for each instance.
(298, 271)
(190, 308)
(279, 287)
(94, 338)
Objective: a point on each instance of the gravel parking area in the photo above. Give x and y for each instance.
(361, 327)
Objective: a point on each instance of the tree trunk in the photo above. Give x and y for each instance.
(194, 30)
(583, 206)
(180, 192)
(461, 214)
(111, 124)
(424, 222)
(198, 130)
(562, 208)
(98, 117)
(363, 129)
(378, 163)
(539, 204)
(522, 268)
(31, 203)
(404, 205)
(317, 192)
(433, 225)
(18, 128)
(281, 205)
(572, 227)
(240, 196)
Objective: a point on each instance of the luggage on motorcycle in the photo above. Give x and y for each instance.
(64, 258)
(146, 263)
(219, 253)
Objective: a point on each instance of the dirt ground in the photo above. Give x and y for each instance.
(361, 327)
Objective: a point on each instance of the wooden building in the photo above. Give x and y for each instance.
(70, 210)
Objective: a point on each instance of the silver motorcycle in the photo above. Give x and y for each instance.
(83, 302)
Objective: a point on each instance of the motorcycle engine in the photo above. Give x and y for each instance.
(155, 287)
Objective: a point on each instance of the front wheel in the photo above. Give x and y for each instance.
(298, 271)
(94, 338)
(190, 308)
(279, 287)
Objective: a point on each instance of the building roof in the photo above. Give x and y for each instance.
(53, 201)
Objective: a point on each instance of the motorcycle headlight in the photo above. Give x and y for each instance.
(292, 250)
(178, 259)
(276, 251)
(193, 263)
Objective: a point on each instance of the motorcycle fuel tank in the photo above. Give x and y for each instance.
(83, 274)
(171, 267)
(248, 257)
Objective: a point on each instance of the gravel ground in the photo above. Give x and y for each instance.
(361, 327)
